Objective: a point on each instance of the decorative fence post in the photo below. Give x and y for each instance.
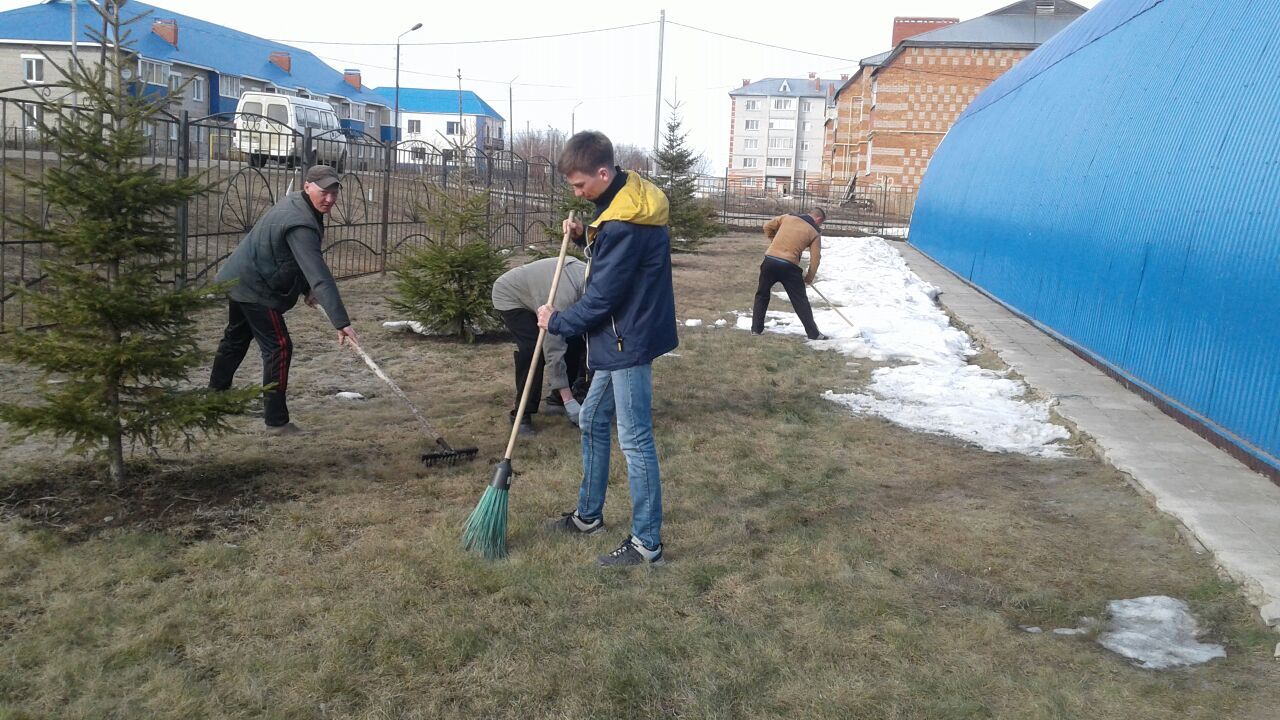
(385, 253)
(184, 211)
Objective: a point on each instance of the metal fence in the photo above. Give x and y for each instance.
(389, 191)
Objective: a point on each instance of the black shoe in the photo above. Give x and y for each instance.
(631, 552)
(757, 332)
(526, 428)
(820, 336)
(571, 524)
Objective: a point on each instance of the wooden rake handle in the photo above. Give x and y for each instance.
(537, 346)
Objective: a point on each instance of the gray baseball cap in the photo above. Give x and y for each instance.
(324, 176)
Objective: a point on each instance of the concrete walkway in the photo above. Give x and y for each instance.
(1231, 510)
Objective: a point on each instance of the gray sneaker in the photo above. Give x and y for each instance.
(631, 552)
(285, 429)
(571, 524)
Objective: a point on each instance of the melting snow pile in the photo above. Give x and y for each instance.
(895, 319)
(1157, 633)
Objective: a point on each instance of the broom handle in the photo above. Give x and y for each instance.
(439, 439)
(537, 346)
(832, 306)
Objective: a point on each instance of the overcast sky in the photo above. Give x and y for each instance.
(612, 74)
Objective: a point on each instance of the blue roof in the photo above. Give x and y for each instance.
(796, 87)
(439, 102)
(200, 43)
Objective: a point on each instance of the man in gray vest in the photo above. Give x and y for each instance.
(517, 295)
(276, 263)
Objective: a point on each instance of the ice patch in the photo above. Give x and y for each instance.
(411, 325)
(349, 396)
(691, 322)
(1157, 632)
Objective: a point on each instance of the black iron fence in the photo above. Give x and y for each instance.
(389, 190)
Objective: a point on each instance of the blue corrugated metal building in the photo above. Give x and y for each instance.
(1121, 188)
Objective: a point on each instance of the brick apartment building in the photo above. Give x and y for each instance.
(891, 115)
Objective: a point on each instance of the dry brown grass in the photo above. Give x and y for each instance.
(820, 565)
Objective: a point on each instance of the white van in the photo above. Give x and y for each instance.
(270, 126)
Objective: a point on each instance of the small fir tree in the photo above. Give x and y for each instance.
(121, 337)
(446, 285)
(691, 217)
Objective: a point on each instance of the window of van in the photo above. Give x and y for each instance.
(279, 113)
(253, 107)
(310, 118)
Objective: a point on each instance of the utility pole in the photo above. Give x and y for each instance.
(461, 136)
(657, 101)
(511, 117)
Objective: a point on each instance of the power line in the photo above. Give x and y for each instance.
(764, 44)
(473, 42)
(427, 74)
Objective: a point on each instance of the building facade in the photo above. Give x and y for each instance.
(447, 117)
(889, 117)
(208, 65)
(775, 132)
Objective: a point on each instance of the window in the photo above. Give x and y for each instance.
(753, 125)
(344, 110)
(804, 164)
(415, 127)
(197, 88)
(751, 144)
(750, 162)
(781, 142)
(371, 118)
(175, 82)
(778, 162)
(782, 124)
(253, 108)
(807, 106)
(32, 114)
(452, 128)
(153, 73)
(278, 112)
(751, 105)
(782, 103)
(808, 126)
(33, 68)
(748, 182)
(229, 87)
(806, 145)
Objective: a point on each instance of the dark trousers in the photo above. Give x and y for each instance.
(772, 272)
(246, 322)
(523, 325)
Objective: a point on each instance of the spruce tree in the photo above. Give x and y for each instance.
(121, 339)
(691, 217)
(446, 285)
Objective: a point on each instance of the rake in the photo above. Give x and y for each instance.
(833, 306)
(486, 528)
(446, 454)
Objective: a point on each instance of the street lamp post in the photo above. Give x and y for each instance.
(395, 137)
(511, 114)
(573, 119)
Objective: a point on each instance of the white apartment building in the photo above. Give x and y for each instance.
(776, 132)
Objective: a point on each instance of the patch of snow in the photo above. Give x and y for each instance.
(1157, 632)
(721, 323)
(349, 396)
(1031, 629)
(885, 313)
(410, 325)
(692, 322)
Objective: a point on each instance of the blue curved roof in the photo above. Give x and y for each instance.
(440, 102)
(200, 43)
(1119, 187)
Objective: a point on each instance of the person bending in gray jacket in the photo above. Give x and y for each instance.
(276, 263)
(517, 295)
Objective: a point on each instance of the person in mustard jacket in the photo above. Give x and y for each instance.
(790, 236)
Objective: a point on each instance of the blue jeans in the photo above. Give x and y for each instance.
(628, 394)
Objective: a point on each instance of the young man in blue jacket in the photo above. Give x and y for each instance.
(628, 313)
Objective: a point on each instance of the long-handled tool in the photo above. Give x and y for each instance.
(833, 307)
(486, 528)
(446, 454)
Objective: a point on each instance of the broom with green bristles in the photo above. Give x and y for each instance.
(486, 529)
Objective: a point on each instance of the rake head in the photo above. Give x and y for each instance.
(434, 458)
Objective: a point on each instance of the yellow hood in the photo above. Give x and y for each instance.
(639, 201)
